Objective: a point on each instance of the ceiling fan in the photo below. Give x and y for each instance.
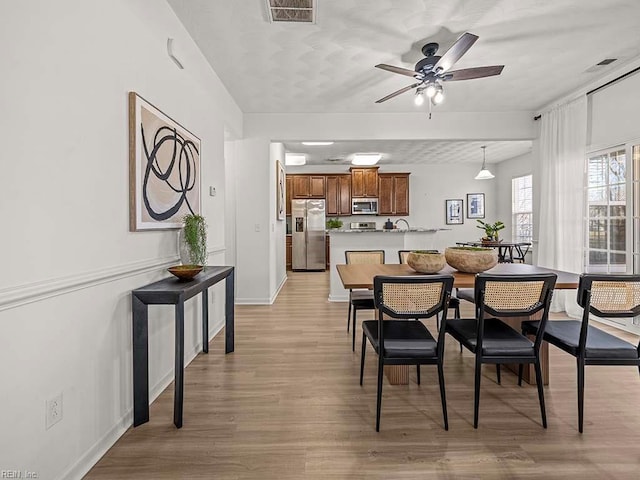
(432, 70)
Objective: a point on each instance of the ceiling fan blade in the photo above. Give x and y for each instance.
(401, 71)
(395, 94)
(470, 73)
(456, 51)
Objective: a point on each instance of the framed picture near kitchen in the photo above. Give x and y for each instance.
(454, 211)
(475, 205)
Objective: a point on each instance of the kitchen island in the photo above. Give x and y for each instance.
(388, 240)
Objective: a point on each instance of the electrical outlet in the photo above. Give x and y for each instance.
(53, 413)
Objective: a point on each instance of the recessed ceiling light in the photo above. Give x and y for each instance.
(317, 143)
(295, 159)
(366, 158)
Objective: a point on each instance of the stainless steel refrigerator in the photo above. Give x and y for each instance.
(308, 235)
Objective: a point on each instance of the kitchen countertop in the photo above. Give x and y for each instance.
(395, 230)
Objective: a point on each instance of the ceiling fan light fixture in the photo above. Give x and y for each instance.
(366, 158)
(317, 143)
(419, 98)
(295, 159)
(438, 98)
(430, 90)
(484, 173)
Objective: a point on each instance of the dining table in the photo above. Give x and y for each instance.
(360, 276)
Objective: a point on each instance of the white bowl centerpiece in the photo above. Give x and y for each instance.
(471, 259)
(426, 261)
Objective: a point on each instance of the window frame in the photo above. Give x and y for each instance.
(514, 213)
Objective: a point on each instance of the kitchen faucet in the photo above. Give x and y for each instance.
(402, 220)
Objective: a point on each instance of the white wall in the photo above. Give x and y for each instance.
(278, 227)
(65, 313)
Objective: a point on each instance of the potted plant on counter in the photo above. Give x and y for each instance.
(333, 223)
(490, 230)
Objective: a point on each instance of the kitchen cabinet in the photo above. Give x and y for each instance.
(393, 189)
(338, 194)
(289, 192)
(289, 251)
(364, 182)
(308, 186)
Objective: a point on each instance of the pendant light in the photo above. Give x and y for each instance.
(484, 174)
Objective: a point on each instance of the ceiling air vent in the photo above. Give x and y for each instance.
(295, 11)
(599, 66)
(607, 61)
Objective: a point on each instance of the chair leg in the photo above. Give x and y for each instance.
(443, 397)
(543, 410)
(520, 372)
(476, 397)
(353, 341)
(457, 311)
(379, 399)
(364, 348)
(349, 314)
(460, 347)
(580, 393)
(418, 373)
(438, 322)
(498, 373)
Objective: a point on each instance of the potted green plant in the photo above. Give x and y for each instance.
(193, 240)
(490, 230)
(334, 223)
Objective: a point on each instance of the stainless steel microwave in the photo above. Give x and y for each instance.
(364, 206)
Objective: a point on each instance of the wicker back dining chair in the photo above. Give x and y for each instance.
(454, 302)
(360, 299)
(614, 296)
(403, 339)
(491, 339)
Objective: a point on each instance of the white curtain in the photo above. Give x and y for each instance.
(563, 137)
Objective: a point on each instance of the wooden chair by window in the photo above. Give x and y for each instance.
(453, 303)
(361, 299)
(601, 296)
(492, 340)
(403, 339)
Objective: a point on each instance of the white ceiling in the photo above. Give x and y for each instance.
(407, 152)
(547, 46)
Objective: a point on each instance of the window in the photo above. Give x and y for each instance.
(522, 208)
(606, 243)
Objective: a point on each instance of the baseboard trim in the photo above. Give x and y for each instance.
(253, 301)
(277, 292)
(86, 462)
(19, 295)
(338, 298)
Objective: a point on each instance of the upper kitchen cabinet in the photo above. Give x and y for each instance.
(364, 182)
(308, 186)
(289, 190)
(393, 189)
(338, 195)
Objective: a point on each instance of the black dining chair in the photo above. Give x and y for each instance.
(492, 340)
(614, 296)
(361, 299)
(403, 339)
(454, 302)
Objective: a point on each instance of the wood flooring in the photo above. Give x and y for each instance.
(287, 405)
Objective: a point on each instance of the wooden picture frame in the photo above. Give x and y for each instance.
(280, 191)
(454, 211)
(475, 205)
(164, 169)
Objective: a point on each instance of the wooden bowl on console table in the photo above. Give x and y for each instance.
(185, 272)
(471, 259)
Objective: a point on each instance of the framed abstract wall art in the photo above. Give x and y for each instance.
(475, 205)
(280, 190)
(454, 212)
(164, 168)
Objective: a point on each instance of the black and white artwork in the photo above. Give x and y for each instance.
(454, 211)
(475, 205)
(164, 168)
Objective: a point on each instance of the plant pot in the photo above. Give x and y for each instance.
(426, 262)
(186, 253)
(471, 259)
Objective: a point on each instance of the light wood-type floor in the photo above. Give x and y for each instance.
(287, 405)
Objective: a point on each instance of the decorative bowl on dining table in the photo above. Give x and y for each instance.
(426, 261)
(471, 259)
(185, 272)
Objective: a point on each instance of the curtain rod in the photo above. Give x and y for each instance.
(624, 75)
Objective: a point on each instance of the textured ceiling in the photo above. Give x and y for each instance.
(547, 46)
(406, 152)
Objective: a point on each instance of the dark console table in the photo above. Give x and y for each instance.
(171, 291)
